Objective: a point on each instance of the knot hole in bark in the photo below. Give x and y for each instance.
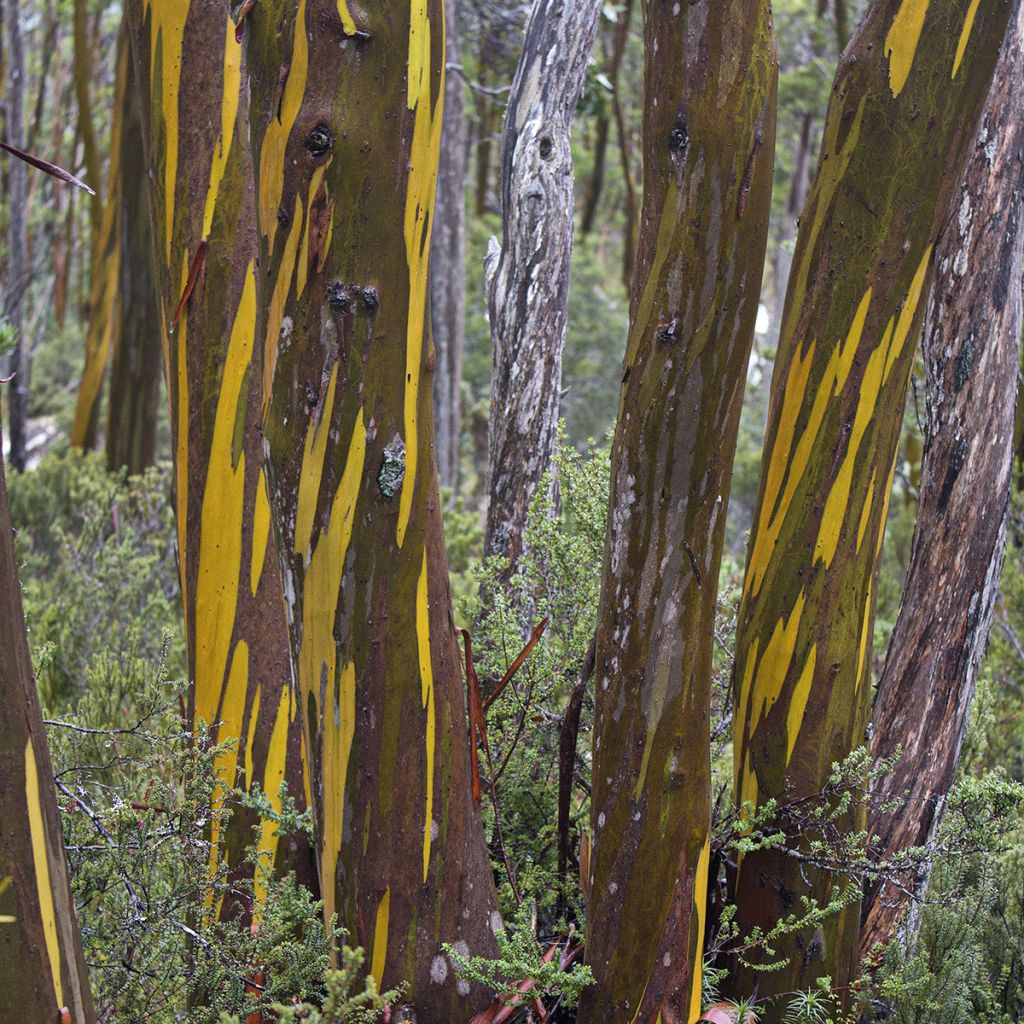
(319, 142)
(546, 148)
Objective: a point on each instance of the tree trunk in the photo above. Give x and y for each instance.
(104, 296)
(205, 246)
(447, 263)
(85, 68)
(17, 263)
(971, 346)
(709, 144)
(791, 217)
(347, 140)
(42, 969)
(528, 276)
(137, 362)
(905, 105)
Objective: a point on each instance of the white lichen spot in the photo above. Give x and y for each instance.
(667, 959)
(613, 888)
(438, 970)
(435, 830)
(601, 820)
(497, 925)
(462, 987)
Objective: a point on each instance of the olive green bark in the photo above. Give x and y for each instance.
(42, 970)
(971, 348)
(905, 104)
(195, 126)
(346, 113)
(709, 136)
(137, 363)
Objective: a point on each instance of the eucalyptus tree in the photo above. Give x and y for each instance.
(971, 348)
(709, 138)
(905, 104)
(346, 131)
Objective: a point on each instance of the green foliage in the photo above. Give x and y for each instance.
(558, 578)
(520, 957)
(350, 997)
(99, 578)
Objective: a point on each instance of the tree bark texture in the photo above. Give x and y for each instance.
(17, 265)
(137, 362)
(528, 276)
(447, 263)
(104, 283)
(905, 105)
(709, 143)
(205, 248)
(347, 108)
(42, 969)
(971, 347)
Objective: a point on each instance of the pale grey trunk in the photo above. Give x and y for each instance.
(17, 269)
(447, 261)
(528, 274)
(971, 344)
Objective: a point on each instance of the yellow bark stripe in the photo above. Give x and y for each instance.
(273, 776)
(232, 86)
(181, 429)
(965, 35)
(167, 30)
(220, 539)
(260, 532)
(41, 864)
(422, 183)
(338, 730)
(700, 892)
(427, 697)
(275, 142)
(798, 702)
(318, 651)
(380, 937)
(901, 42)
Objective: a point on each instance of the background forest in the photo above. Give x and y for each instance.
(194, 865)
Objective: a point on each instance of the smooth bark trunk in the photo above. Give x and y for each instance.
(201, 196)
(709, 142)
(346, 140)
(905, 106)
(42, 969)
(137, 363)
(971, 347)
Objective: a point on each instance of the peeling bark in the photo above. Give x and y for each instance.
(709, 143)
(346, 131)
(42, 969)
(971, 347)
(200, 176)
(528, 275)
(905, 105)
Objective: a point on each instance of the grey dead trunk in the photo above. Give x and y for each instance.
(971, 345)
(447, 262)
(528, 274)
